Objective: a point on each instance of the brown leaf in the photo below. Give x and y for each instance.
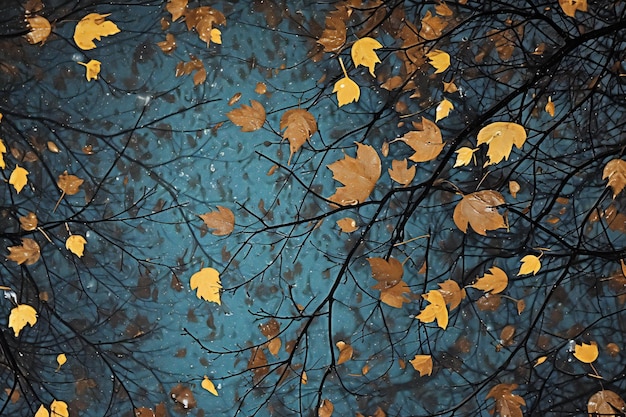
(347, 225)
(270, 329)
(401, 173)
(200, 76)
(359, 176)
(507, 334)
(615, 172)
(432, 26)
(478, 209)
(27, 253)
(334, 34)
(606, 403)
(169, 44)
(387, 272)
(29, 222)
(507, 404)
(183, 396)
(177, 8)
(69, 184)
(452, 293)
(221, 221)
(258, 364)
(326, 409)
(394, 296)
(40, 29)
(570, 6)
(299, 126)
(345, 352)
(249, 118)
(427, 142)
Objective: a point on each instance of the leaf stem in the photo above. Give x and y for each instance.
(342, 67)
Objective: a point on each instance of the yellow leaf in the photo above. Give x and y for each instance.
(347, 225)
(443, 109)
(216, 36)
(59, 409)
(76, 245)
(586, 352)
(436, 310)
(479, 210)
(500, 138)
(207, 281)
(570, 6)
(248, 118)
(40, 29)
(615, 172)
(346, 89)
(61, 359)
(358, 175)
(208, 385)
(18, 178)
(345, 352)
(440, 60)
(93, 69)
(27, 253)
(495, 281)
(422, 364)
(427, 142)
(42, 412)
(550, 107)
(401, 173)
(530, 263)
(303, 378)
(464, 156)
(540, 360)
(93, 26)
(3, 150)
(363, 53)
(514, 188)
(20, 316)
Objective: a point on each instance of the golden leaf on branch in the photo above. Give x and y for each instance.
(334, 34)
(29, 222)
(464, 156)
(345, 352)
(427, 142)
(248, 118)
(443, 109)
(27, 253)
(401, 173)
(358, 175)
(479, 210)
(500, 138)
(494, 281)
(19, 178)
(93, 69)
(615, 172)
(207, 282)
(440, 60)
(208, 385)
(346, 89)
(347, 225)
(69, 184)
(388, 273)
(571, 6)
(93, 27)
(20, 316)
(221, 221)
(435, 310)
(452, 293)
(299, 126)
(422, 364)
(586, 352)
(530, 264)
(76, 245)
(363, 53)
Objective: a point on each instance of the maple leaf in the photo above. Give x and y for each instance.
(362, 53)
(208, 385)
(249, 118)
(478, 209)
(571, 6)
(500, 137)
(586, 352)
(401, 173)
(221, 221)
(389, 273)
(20, 316)
(394, 296)
(440, 60)
(93, 26)
(435, 310)
(464, 156)
(427, 142)
(615, 172)
(422, 364)
(18, 178)
(334, 34)
(177, 8)
(507, 403)
(605, 403)
(27, 253)
(203, 19)
(299, 126)
(443, 109)
(530, 263)
(93, 69)
(39, 31)
(494, 281)
(207, 281)
(432, 26)
(76, 245)
(358, 175)
(452, 293)
(69, 184)
(346, 89)
(345, 352)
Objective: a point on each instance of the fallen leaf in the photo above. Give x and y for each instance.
(571, 6)
(27, 253)
(363, 53)
(500, 138)
(334, 34)
(586, 352)
(530, 264)
(39, 31)
(422, 364)
(207, 282)
(93, 26)
(464, 156)
(452, 293)
(401, 173)
(494, 281)
(427, 142)
(615, 172)
(606, 403)
(168, 45)
(346, 89)
(18, 178)
(326, 409)
(347, 225)
(549, 108)
(29, 222)
(478, 209)
(358, 175)
(208, 385)
(93, 69)
(345, 352)
(177, 8)
(507, 403)
(69, 184)
(221, 221)
(249, 118)
(443, 109)
(440, 60)
(20, 316)
(299, 126)
(76, 245)
(435, 310)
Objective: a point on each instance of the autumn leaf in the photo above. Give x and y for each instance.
(27, 253)
(76, 245)
(347, 225)
(452, 293)
(42, 411)
(440, 60)
(346, 89)
(571, 6)
(39, 31)
(299, 126)
(93, 26)
(507, 403)
(168, 45)
(514, 188)
(28, 222)
(615, 172)
(389, 273)
(69, 184)
(478, 209)
(93, 69)
(586, 352)
(345, 352)
(221, 221)
(203, 19)
(334, 34)
(363, 53)
(432, 26)
(401, 173)
(549, 108)
(271, 330)
(61, 360)
(326, 409)
(208, 385)
(20, 316)
(443, 109)
(464, 156)
(427, 142)
(494, 281)
(500, 138)
(435, 310)
(530, 264)
(18, 178)
(249, 118)
(207, 282)
(177, 8)
(422, 364)
(358, 175)
(3, 150)
(606, 403)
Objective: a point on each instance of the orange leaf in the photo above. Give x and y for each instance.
(507, 404)
(443, 109)
(427, 142)
(203, 19)
(494, 281)
(571, 6)
(549, 108)
(422, 364)
(299, 126)
(21, 315)
(76, 244)
(436, 310)
(358, 175)
(27, 253)
(345, 352)
(394, 296)
(40, 29)
(221, 221)
(177, 8)
(500, 138)
(169, 44)
(401, 173)
(530, 264)
(93, 27)
(586, 352)
(452, 293)
(207, 282)
(479, 211)
(93, 69)
(347, 225)
(432, 26)
(387, 272)
(29, 222)
(334, 34)
(605, 403)
(208, 385)
(249, 118)
(615, 172)
(69, 184)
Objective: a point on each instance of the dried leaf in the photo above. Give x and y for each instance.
(18, 178)
(507, 404)
(401, 173)
(571, 6)
(40, 29)
(507, 334)
(76, 244)
(615, 172)
(514, 188)
(326, 409)
(260, 88)
(586, 352)
(203, 19)
(3, 150)
(549, 108)
(452, 293)
(221, 221)
(207, 281)
(396, 295)
(358, 175)
(177, 8)
(334, 34)
(500, 138)
(20, 316)
(183, 396)
(606, 403)
(422, 364)
(464, 156)
(479, 211)
(427, 142)
(29, 222)
(432, 26)
(69, 184)
(93, 26)
(345, 352)
(27, 253)
(440, 60)
(389, 273)
(540, 360)
(249, 118)
(443, 109)
(93, 69)
(436, 310)
(168, 45)
(494, 281)
(208, 385)
(299, 126)
(347, 225)
(530, 263)
(363, 53)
